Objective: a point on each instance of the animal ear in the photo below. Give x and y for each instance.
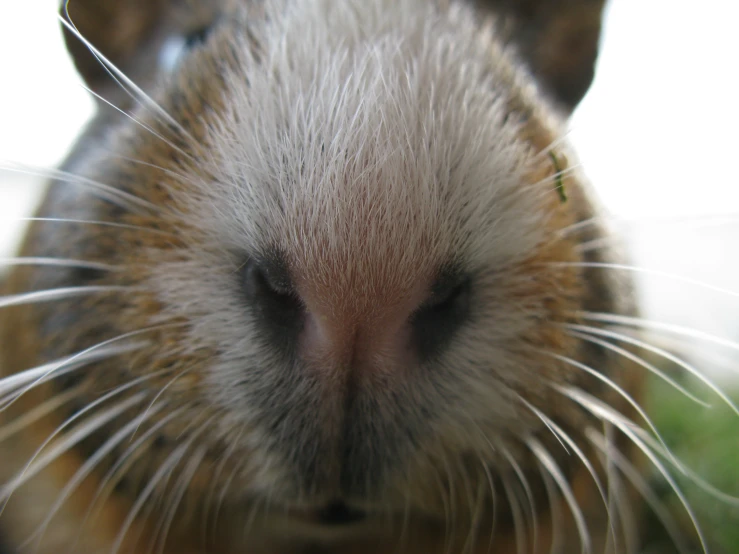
(558, 39)
(121, 30)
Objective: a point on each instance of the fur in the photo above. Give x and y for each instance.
(363, 149)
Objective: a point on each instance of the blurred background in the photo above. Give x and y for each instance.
(657, 134)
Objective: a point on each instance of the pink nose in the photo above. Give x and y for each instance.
(374, 340)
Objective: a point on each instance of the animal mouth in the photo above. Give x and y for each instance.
(338, 513)
(333, 514)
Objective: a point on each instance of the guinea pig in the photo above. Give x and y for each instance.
(312, 280)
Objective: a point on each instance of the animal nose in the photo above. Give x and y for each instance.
(373, 343)
(386, 335)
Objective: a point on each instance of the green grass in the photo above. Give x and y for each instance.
(707, 441)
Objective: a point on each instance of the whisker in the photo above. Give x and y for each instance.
(555, 511)
(137, 121)
(101, 223)
(546, 424)
(595, 244)
(637, 360)
(451, 526)
(534, 514)
(163, 389)
(688, 472)
(642, 487)
(470, 539)
(60, 262)
(33, 415)
(616, 387)
(209, 496)
(83, 355)
(222, 494)
(606, 413)
(174, 458)
(679, 330)
(185, 478)
(83, 471)
(697, 221)
(77, 415)
(57, 294)
(517, 514)
(107, 483)
(557, 430)
(122, 79)
(574, 227)
(616, 495)
(544, 152)
(558, 176)
(667, 356)
(181, 177)
(108, 192)
(542, 454)
(62, 366)
(68, 441)
(493, 496)
(647, 271)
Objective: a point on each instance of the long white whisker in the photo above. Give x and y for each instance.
(546, 424)
(66, 423)
(616, 505)
(77, 415)
(107, 482)
(117, 74)
(209, 496)
(469, 541)
(57, 294)
(31, 416)
(83, 471)
(542, 454)
(136, 121)
(60, 367)
(451, 517)
(595, 244)
(679, 330)
(113, 194)
(187, 474)
(573, 445)
(637, 360)
(68, 441)
(606, 413)
(59, 262)
(101, 223)
(517, 514)
(166, 468)
(647, 271)
(641, 485)
(168, 171)
(84, 353)
(494, 498)
(163, 389)
(664, 354)
(616, 387)
(688, 472)
(529, 494)
(555, 511)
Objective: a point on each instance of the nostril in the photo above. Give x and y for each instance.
(440, 317)
(338, 513)
(270, 296)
